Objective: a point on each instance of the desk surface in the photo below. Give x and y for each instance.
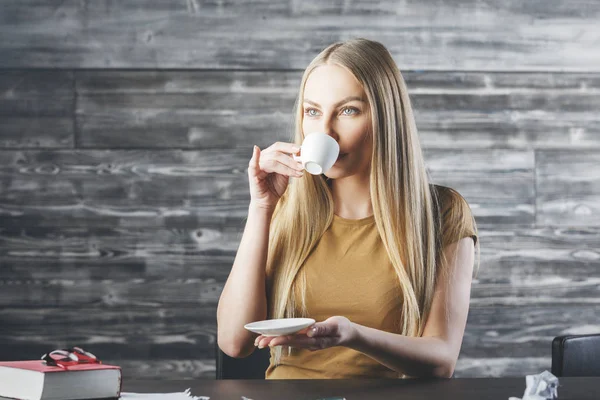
(447, 389)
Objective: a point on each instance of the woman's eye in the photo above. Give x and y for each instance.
(311, 112)
(354, 111)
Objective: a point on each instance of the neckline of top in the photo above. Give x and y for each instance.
(355, 222)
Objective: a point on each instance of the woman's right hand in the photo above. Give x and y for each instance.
(269, 171)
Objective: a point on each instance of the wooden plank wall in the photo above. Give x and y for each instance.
(126, 128)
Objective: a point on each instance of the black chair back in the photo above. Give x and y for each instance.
(576, 355)
(251, 367)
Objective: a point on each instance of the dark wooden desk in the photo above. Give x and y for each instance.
(447, 389)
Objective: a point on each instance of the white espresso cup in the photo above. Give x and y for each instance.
(318, 153)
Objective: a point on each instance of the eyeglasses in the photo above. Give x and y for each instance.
(65, 358)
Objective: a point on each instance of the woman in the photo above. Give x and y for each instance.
(378, 256)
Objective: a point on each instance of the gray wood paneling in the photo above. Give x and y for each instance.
(518, 266)
(505, 175)
(528, 278)
(205, 109)
(183, 292)
(568, 186)
(502, 367)
(525, 330)
(199, 109)
(215, 109)
(110, 188)
(507, 110)
(176, 188)
(537, 258)
(157, 334)
(36, 108)
(439, 35)
(124, 331)
(126, 128)
(36, 255)
(148, 340)
(173, 369)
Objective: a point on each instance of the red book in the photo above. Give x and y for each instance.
(33, 380)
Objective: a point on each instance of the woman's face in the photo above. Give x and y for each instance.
(336, 104)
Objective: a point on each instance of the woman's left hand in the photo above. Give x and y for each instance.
(334, 331)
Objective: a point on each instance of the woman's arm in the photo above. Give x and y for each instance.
(243, 299)
(436, 353)
(432, 355)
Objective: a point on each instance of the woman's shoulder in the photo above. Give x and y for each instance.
(457, 220)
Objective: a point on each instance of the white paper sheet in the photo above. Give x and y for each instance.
(162, 396)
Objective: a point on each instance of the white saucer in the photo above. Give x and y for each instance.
(281, 326)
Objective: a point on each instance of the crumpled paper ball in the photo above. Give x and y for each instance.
(543, 386)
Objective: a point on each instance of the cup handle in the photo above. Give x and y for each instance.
(297, 158)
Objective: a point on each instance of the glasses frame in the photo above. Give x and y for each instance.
(65, 358)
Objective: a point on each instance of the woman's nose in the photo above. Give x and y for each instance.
(334, 135)
(327, 127)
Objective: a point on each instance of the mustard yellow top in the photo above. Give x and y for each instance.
(348, 274)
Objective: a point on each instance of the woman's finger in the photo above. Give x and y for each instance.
(288, 160)
(272, 164)
(304, 331)
(258, 339)
(281, 340)
(302, 342)
(289, 148)
(264, 342)
(254, 164)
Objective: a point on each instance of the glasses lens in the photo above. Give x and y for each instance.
(63, 355)
(84, 353)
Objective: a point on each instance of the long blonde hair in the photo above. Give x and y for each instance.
(405, 208)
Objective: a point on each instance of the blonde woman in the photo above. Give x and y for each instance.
(381, 258)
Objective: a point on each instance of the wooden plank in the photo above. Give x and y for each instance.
(36, 93)
(568, 187)
(507, 175)
(36, 132)
(517, 110)
(169, 188)
(524, 330)
(36, 109)
(199, 109)
(502, 367)
(115, 332)
(553, 290)
(171, 369)
(530, 257)
(183, 292)
(217, 109)
(32, 265)
(37, 254)
(98, 315)
(541, 35)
